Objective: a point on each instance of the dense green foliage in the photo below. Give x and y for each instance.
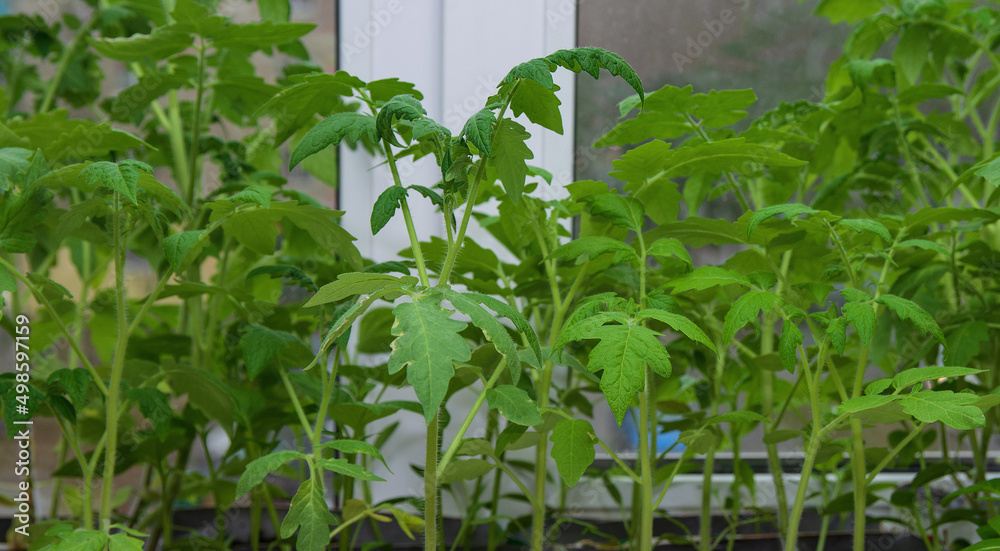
(858, 285)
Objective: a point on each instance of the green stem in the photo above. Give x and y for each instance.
(73, 344)
(791, 541)
(470, 202)
(456, 442)
(894, 453)
(411, 231)
(176, 129)
(646, 453)
(117, 366)
(194, 183)
(64, 61)
(303, 420)
(431, 486)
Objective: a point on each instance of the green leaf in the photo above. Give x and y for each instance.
(539, 103)
(509, 156)
(385, 207)
(965, 342)
(935, 471)
(478, 131)
(572, 448)
(321, 225)
(162, 43)
(740, 416)
(493, 330)
(837, 333)
(622, 356)
(706, 277)
(122, 177)
(916, 375)
(850, 11)
(865, 224)
(958, 411)
(355, 446)
(401, 107)
(13, 160)
(909, 310)
(940, 215)
(699, 232)
(862, 315)
(331, 131)
(74, 381)
(176, 248)
(79, 540)
(591, 60)
(877, 387)
(465, 469)
(863, 403)
(296, 106)
(594, 246)
(342, 466)
(427, 344)
(514, 404)
(358, 283)
(788, 344)
(385, 89)
(310, 515)
(261, 345)
(259, 36)
(20, 214)
(256, 470)
(124, 542)
(733, 154)
(925, 245)
(991, 544)
(668, 246)
(155, 407)
(622, 211)
(519, 321)
(746, 309)
(791, 210)
(678, 323)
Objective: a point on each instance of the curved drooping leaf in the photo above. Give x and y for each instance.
(909, 310)
(385, 207)
(401, 107)
(331, 131)
(791, 210)
(678, 323)
(493, 330)
(478, 131)
(591, 60)
(427, 344)
(746, 309)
